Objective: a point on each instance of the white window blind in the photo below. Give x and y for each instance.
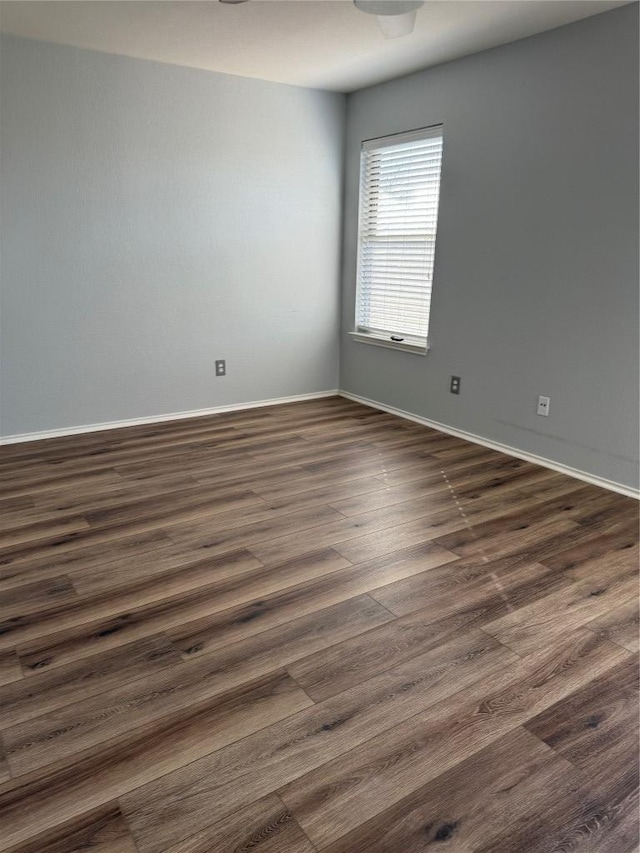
(399, 191)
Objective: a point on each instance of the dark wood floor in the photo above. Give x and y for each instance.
(312, 627)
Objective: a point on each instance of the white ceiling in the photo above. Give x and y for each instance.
(325, 44)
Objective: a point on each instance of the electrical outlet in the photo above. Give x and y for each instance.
(543, 406)
(221, 367)
(455, 385)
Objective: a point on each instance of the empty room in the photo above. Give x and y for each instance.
(319, 414)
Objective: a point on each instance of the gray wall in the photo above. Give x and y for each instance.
(536, 276)
(156, 218)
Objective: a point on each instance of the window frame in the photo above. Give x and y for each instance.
(386, 338)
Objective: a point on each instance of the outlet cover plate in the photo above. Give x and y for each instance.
(544, 403)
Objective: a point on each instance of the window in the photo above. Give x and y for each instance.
(399, 190)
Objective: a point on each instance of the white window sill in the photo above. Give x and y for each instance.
(381, 341)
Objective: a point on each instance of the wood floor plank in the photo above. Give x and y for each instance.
(45, 739)
(364, 536)
(162, 572)
(284, 644)
(42, 530)
(443, 592)
(611, 566)
(65, 500)
(16, 520)
(528, 628)
(384, 496)
(264, 827)
(615, 510)
(266, 511)
(5, 773)
(499, 537)
(342, 793)
(428, 526)
(82, 536)
(467, 463)
(357, 451)
(555, 486)
(194, 502)
(590, 546)
(257, 616)
(40, 802)
(10, 668)
(21, 502)
(45, 690)
(230, 778)
(332, 580)
(151, 558)
(596, 728)
(468, 478)
(502, 484)
(461, 472)
(240, 472)
(54, 546)
(389, 524)
(318, 479)
(454, 812)
(621, 625)
(325, 494)
(390, 458)
(207, 610)
(436, 484)
(36, 596)
(142, 696)
(101, 831)
(142, 596)
(455, 598)
(205, 535)
(51, 480)
(219, 449)
(32, 566)
(543, 549)
(281, 629)
(466, 450)
(137, 500)
(567, 823)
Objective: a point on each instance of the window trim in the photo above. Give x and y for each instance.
(418, 346)
(377, 337)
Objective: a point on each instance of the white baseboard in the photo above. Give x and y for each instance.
(156, 419)
(237, 407)
(502, 448)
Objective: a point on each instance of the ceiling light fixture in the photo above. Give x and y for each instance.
(395, 17)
